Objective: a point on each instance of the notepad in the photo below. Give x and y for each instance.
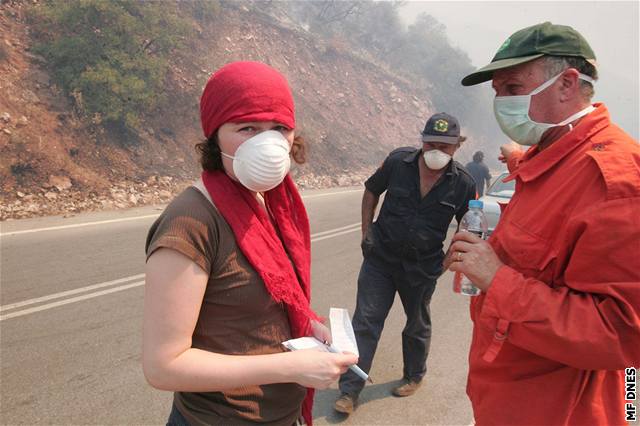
(344, 339)
(342, 333)
(305, 343)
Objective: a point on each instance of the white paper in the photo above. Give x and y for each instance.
(342, 335)
(342, 332)
(304, 343)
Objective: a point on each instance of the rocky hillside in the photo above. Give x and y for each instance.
(350, 110)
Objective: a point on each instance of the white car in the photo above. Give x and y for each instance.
(499, 192)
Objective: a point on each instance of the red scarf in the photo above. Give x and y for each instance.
(283, 261)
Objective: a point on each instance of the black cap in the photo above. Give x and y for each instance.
(441, 128)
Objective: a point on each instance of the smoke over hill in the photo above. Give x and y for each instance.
(363, 85)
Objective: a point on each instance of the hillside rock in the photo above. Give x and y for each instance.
(62, 183)
(350, 110)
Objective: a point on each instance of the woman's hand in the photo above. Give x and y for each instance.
(475, 258)
(319, 369)
(320, 332)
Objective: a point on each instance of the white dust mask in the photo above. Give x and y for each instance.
(512, 114)
(436, 159)
(262, 161)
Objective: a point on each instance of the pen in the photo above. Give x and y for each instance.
(354, 367)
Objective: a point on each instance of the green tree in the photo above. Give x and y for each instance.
(111, 56)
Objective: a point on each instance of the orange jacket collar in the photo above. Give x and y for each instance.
(534, 163)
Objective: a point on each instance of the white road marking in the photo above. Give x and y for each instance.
(319, 236)
(67, 301)
(78, 225)
(305, 197)
(68, 293)
(324, 237)
(125, 219)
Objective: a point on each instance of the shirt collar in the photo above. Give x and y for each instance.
(412, 157)
(535, 163)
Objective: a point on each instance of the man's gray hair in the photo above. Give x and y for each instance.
(554, 65)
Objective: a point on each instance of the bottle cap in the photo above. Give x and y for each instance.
(477, 204)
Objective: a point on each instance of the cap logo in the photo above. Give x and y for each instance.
(441, 126)
(505, 45)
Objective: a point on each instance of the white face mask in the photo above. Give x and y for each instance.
(512, 113)
(436, 159)
(262, 161)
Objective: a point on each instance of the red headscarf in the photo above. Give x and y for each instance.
(246, 91)
(277, 243)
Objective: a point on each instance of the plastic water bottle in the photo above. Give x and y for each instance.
(473, 221)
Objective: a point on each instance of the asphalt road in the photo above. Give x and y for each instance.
(71, 319)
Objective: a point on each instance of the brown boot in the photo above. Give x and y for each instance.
(345, 404)
(407, 388)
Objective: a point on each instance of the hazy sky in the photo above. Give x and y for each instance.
(611, 28)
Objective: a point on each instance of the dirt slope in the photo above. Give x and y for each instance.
(350, 110)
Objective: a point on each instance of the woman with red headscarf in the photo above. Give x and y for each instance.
(228, 268)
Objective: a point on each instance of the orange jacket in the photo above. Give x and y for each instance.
(561, 320)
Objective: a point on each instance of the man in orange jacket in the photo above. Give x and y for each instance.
(558, 320)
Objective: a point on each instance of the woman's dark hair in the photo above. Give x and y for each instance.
(299, 150)
(211, 156)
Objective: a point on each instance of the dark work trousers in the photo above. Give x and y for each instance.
(377, 287)
(176, 418)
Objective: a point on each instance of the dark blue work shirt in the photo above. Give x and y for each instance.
(410, 230)
(480, 173)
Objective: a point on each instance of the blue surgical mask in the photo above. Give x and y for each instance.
(512, 114)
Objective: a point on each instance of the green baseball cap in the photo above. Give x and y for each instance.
(531, 43)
